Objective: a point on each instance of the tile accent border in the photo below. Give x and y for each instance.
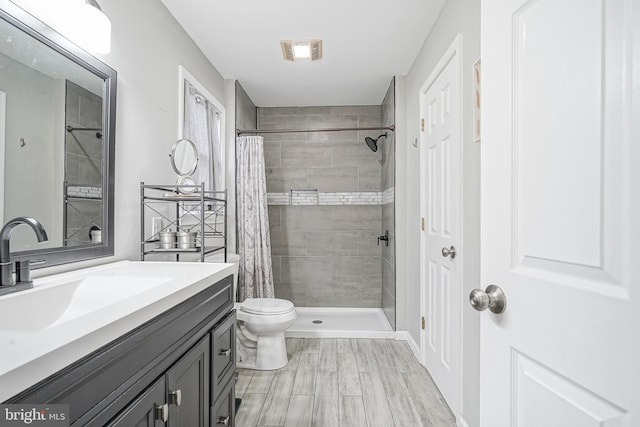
(86, 192)
(388, 195)
(311, 198)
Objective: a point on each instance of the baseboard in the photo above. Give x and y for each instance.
(406, 336)
(461, 422)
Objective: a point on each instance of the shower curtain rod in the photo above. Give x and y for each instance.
(71, 128)
(257, 131)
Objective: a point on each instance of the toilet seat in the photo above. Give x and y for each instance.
(267, 306)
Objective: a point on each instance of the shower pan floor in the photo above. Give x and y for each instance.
(324, 322)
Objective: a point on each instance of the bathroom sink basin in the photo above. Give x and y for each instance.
(50, 305)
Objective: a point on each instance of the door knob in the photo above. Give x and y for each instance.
(492, 298)
(449, 252)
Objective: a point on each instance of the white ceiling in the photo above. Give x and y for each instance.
(365, 43)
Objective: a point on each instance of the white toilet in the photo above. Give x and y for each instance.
(260, 327)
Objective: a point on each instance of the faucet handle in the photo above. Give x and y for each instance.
(23, 272)
(23, 275)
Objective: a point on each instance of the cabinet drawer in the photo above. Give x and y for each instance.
(223, 354)
(223, 413)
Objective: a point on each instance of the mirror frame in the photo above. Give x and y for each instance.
(16, 16)
(173, 157)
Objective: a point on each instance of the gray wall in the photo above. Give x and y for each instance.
(388, 148)
(456, 17)
(324, 256)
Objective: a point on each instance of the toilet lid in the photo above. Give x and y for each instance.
(266, 306)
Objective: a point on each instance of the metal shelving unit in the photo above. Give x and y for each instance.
(183, 208)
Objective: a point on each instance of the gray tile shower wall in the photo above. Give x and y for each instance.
(82, 148)
(324, 256)
(388, 208)
(83, 163)
(246, 110)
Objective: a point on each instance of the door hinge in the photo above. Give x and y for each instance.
(422, 125)
(424, 323)
(422, 223)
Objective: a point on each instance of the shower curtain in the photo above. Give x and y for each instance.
(255, 276)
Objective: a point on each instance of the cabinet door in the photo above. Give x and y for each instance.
(145, 411)
(223, 413)
(188, 387)
(223, 354)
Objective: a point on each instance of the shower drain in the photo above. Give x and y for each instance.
(317, 322)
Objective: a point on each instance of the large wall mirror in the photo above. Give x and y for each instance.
(57, 130)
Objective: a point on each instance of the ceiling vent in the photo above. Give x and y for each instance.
(301, 49)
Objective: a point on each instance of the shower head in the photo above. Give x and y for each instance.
(373, 143)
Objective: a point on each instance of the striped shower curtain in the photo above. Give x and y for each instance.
(255, 276)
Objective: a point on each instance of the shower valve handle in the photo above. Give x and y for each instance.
(384, 237)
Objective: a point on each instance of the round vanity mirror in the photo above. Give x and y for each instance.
(184, 157)
(186, 184)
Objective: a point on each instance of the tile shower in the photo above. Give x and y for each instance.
(324, 255)
(83, 165)
(330, 197)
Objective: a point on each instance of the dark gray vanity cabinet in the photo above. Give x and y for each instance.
(144, 410)
(188, 387)
(223, 411)
(223, 355)
(175, 370)
(178, 398)
(222, 375)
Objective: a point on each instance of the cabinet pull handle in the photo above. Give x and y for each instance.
(225, 352)
(223, 420)
(162, 412)
(175, 397)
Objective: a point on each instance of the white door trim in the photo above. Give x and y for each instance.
(454, 51)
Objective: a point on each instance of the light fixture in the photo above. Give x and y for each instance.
(81, 21)
(301, 49)
(97, 27)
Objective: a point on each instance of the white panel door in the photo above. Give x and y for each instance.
(440, 199)
(561, 212)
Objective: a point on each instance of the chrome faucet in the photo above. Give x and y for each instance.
(6, 270)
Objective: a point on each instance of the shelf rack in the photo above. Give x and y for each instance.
(183, 208)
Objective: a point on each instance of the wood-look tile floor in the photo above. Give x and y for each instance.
(342, 382)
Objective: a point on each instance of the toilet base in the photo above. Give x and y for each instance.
(269, 354)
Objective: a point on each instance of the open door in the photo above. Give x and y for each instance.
(561, 213)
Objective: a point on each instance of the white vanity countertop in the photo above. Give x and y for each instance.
(126, 295)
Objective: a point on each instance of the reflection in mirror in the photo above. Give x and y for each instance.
(184, 157)
(58, 140)
(41, 157)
